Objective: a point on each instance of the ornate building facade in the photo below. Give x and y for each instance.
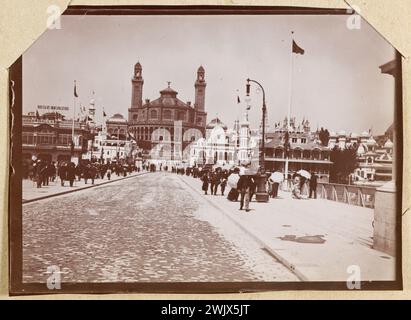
(225, 147)
(374, 157)
(306, 151)
(112, 142)
(164, 127)
(49, 137)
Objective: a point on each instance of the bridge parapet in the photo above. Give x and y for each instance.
(353, 195)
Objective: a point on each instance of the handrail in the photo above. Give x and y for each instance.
(351, 194)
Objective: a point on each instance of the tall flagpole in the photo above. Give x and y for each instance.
(290, 100)
(74, 115)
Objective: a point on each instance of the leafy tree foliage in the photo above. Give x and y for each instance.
(344, 163)
(324, 136)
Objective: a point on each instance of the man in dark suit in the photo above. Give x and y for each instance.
(216, 178)
(71, 173)
(62, 173)
(313, 185)
(244, 185)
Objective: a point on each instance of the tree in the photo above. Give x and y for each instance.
(324, 136)
(344, 163)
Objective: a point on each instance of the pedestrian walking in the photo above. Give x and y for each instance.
(71, 173)
(205, 182)
(245, 184)
(223, 184)
(92, 173)
(313, 186)
(232, 181)
(44, 172)
(215, 181)
(62, 172)
(296, 189)
(273, 188)
(38, 173)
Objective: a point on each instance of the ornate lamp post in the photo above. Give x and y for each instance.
(261, 192)
(118, 145)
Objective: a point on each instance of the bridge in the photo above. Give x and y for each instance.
(320, 239)
(324, 239)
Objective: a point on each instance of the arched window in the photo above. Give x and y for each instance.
(306, 154)
(167, 114)
(278, 153)
(181, 115)
(135, 116)
(153, 114)
(297, 153)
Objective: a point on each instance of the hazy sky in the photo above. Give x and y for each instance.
(337, 82)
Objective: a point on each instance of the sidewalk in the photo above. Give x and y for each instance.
(32, 193)
(277, 226)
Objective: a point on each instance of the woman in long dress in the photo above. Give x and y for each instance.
(296, 189)
(205, 182)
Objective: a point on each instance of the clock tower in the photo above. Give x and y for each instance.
(200, 86)
(137, 87)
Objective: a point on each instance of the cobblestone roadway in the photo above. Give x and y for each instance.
(141, 229)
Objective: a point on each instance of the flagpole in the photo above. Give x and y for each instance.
(290, 99)
(72, 126)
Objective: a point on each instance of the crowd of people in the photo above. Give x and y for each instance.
(243, 184)
(43, 172)
(214, 180)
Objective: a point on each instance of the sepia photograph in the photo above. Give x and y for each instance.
(164, 151)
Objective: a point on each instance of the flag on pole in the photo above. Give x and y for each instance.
(75, 89)
(297, 49)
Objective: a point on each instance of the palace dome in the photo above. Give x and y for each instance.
(388, 144)
(361, 150)
(371, 142)
(118, 118)
(214, 123)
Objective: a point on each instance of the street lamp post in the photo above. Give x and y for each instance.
(118, 145)
(261, 193)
